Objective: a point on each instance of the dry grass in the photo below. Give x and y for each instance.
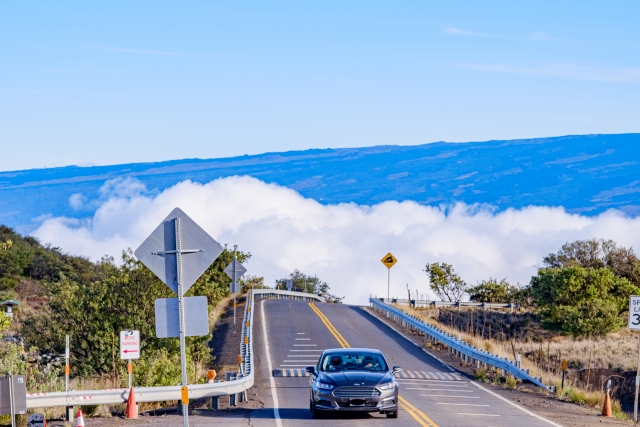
(617, 350)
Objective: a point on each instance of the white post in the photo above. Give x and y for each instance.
(183, 347)
(388, 282)
(635, 401)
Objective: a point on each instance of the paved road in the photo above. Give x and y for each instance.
(297, 334)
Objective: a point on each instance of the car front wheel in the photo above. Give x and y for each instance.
(314, 412)
(393, 414)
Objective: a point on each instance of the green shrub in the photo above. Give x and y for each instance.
(481, 375)
(511, 382)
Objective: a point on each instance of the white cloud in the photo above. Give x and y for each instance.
(342, 244)
(76, 201)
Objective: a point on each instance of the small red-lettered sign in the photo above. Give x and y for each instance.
(129, 345)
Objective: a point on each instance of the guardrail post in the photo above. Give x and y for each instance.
(216, 403)
(68, 413)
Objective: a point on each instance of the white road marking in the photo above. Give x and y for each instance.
(447, 395)
(303, 339)
(293, 366)
(481, 415)
(454, 370)
(276, 409)
(305, 345)
(298, 360)
(459, 384)
(320, 351)
(516, 406)
(440, 389)
(458, 404)
(300, 333)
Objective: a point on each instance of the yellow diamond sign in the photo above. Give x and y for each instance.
(389, 260)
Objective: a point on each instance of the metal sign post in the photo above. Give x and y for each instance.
(68, 409)
(165, 252)
(183, 344)
(234, 270)
(634, 324)
(11, 402)
(389, 261)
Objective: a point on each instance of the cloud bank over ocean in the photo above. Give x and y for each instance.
(343, 243)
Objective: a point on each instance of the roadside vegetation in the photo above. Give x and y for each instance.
(92, 302)
(62, 294)
(310, 284)
(574, 308)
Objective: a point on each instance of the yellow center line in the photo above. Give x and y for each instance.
(417, 414)
(412, 409)
(343, 343)
(414, 415)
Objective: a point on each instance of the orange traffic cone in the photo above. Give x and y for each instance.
(606, 408)
(132, 409)
(80, 420)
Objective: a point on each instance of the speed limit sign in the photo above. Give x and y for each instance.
(634, 312)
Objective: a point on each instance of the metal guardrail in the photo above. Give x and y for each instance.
(457, 347)
(243, 381)
(436, 304)
(277, 293)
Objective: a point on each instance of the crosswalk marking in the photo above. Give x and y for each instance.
(445, 376)
(290, 373)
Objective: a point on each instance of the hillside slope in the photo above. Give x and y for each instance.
(586, 174)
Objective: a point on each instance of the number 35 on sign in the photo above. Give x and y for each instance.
(634, 312)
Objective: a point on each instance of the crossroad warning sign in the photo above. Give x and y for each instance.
(389, 260)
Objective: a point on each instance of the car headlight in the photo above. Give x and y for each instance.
(324, 386)
(387, 386)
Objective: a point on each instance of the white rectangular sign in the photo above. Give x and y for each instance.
(634, 312)
(36, 420)
(129, 345)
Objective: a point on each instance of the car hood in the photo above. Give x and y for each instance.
(351, 378)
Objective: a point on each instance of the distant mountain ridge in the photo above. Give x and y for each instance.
(586, 174)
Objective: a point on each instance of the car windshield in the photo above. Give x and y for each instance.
(353, 361)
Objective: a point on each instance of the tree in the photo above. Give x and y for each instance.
(309, 284)
(493, 290)
(582, 301)
(253, 282)
(446, 284)
(303, 283)
(120, 297)
(597, 253)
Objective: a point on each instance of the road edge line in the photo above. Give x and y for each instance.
(364, 308)
(516, 405)
(274, 394)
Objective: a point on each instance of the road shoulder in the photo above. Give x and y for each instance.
(527, 397)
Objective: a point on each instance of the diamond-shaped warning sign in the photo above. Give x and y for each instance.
(389, 260)
(197, 250)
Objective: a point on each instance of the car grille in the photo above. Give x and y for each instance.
(351, 392)
(366, 405)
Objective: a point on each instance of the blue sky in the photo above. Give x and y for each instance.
(116, 82)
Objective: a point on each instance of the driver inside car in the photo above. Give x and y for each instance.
(336, 363)
(367, 363)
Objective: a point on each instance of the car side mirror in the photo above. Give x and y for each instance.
(311, 370)
(396, 369)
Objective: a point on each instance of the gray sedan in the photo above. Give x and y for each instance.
(353, 380)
